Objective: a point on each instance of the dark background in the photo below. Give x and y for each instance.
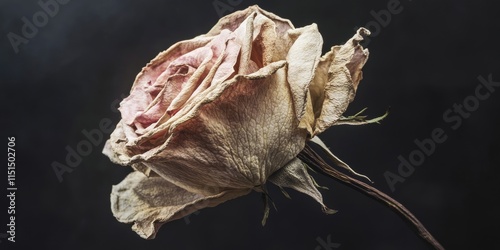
(426, 59)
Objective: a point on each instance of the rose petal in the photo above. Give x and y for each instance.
(294, 175)
(203, 62)
(226, 68)
(149, 202)
(264, 42)
(233, 20)
(160, 63)
(222, 69)
(276, 46)
(235, 137)
(303, 58)
(115, 146)
(344, 73)
(135, 103)
(205, 56)
(244, 36)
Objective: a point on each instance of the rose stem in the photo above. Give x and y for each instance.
(308, 155)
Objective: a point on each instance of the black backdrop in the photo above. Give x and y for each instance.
(423, 61)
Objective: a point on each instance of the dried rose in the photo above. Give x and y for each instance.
(217, 116)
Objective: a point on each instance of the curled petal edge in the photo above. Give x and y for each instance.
(337, 78)
(150, 202)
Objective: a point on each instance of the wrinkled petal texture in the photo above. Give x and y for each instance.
(336, 80)
(243, 132)
(214, 117)
(151, 202)
(237, 128)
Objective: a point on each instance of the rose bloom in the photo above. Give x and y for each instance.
(215, 117)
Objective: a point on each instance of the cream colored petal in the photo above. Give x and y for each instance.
(279, 43)
(303, 58)
(338, 94)
(308, 119)
(208, 96)
(294, 175)
(265, 39)
(344, 74)
(233, 20)
(115, 146)
(244, 36)
(149, 202)
(260, 43)
(235, 137)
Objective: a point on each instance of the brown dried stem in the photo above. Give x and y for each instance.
(309, 156)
